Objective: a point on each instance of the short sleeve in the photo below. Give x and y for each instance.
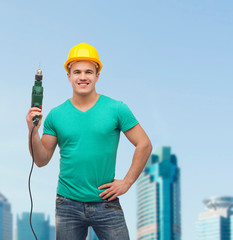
(49, 125)
(126, 118)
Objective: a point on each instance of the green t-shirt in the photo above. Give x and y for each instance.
(88, 144)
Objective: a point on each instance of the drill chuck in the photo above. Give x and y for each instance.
(38, 76)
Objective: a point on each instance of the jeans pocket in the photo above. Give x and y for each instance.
(114, 207)
(60, 200)
(115, 204)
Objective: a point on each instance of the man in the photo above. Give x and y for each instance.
(87, 128)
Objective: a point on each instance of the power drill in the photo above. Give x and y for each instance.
(37, 97)
(37, 94)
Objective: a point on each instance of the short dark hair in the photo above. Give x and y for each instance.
(96, 67)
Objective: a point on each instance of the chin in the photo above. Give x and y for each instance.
(83, 93)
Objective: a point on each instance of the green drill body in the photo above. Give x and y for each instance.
(37, 93)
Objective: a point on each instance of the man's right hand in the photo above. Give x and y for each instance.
(31, 114)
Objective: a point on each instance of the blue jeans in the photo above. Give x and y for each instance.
(73, 219)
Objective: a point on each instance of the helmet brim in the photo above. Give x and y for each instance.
(75, 59)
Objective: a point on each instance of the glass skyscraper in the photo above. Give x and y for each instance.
(217, 222)
(39, 223)
(91, 234)
(52, 233)
(158, 198)
(6, 231)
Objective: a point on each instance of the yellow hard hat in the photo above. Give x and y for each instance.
(83, 51)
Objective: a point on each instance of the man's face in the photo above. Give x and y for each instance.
(83, 77)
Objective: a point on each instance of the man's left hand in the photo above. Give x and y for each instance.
(115, 189)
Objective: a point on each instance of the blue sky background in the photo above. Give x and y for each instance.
(169, 61)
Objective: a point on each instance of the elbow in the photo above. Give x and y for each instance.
(149, 147)
(42, 161)
(146, 146)
(39, 165)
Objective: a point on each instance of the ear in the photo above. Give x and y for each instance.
(97, 75)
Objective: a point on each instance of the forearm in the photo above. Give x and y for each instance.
(39, 152)
(140, 157)
(119, 187)
(140, 140)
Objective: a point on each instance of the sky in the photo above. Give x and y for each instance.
(169, 61)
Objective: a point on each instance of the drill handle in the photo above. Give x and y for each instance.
(37, 95)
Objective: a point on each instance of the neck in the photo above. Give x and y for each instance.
(84, 100)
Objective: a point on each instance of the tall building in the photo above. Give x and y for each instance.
(158, 198)
(6, 230)
(217, 222)
(39, 223)
(91, 234)
(52, 233)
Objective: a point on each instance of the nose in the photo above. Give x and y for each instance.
(82, 76)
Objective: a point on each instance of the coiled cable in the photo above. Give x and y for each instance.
(35, 123)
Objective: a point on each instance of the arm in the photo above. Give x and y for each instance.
(43, 148)
(140, 140)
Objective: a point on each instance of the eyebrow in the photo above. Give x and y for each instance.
(78, 70)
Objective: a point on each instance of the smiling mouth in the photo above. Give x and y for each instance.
(83, 84)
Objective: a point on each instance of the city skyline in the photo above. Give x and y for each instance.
(41, 227)
(169, 61)
(219, 218)
(22, 230)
